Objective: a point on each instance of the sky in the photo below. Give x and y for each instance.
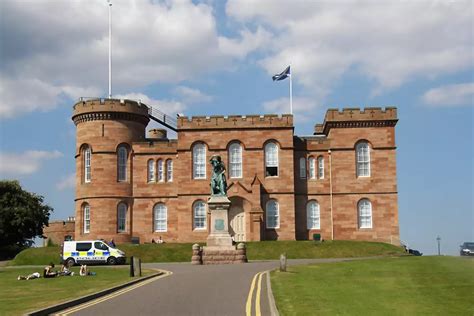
(217, 58)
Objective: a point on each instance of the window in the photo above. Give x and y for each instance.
(313, 215)
(151, 170)
(83, 246)
(271, 160)
(199, 161)
(273, 214)
(160, 170)
(199, 210)
(363, 159)
(100, 245)
(122, 164)
(365, 214)
(302, 168)
(235, 160)
(121, 217)
(87, 165)
(169, 170)
(87, 218)
(312, 167)
(320, 167)
(160, 215)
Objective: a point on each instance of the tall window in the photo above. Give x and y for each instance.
(235, 160)
(273, 214)
(121, 217)
(160, 215)
(320, 167)
(151, 170)
(87, 218)
(302, 168)
(122, 164)
(365, 213)
(312, 167)
(199, 161)
(271, 160)
(87, 164)
(169, 170)
(313, 215)
(160, 170)
(363, 159)
(199, 210)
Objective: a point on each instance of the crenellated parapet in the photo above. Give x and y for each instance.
(235, 121)
(110, 109)
(355, 117)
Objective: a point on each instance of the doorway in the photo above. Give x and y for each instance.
(237, 223)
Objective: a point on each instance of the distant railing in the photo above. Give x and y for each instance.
(162, 118)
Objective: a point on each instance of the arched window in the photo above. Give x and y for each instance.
(122, 163)
(320, 167)
(86, 211)
(199, 210)
(151, 170)
(313, 215)
(271, 160)
(199, 161)
(87, 164)
(169, 170)
(365, 213)
(312, 167)
(161, 177)
(273, 214)
(235, 160)
(160, 215)
(302, 168)
(363, 159)
(122, 217)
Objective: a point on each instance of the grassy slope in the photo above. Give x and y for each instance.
(389, 286)
(18, 297)
(263, 250)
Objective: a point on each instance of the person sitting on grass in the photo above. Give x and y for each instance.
(34, 275)
(49, 272)
(84, 271)
(65, 271)
(160, 241)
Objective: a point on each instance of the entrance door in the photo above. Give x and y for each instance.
(237, 223)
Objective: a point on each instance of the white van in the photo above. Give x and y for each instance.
(91, 251)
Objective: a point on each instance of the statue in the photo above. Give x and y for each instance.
(218, 181)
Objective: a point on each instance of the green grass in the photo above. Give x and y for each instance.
(388, 286)
(19, 297)
(262, 250)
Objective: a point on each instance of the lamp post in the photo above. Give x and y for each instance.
(439, 245)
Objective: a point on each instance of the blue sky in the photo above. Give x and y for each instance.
(217, 57)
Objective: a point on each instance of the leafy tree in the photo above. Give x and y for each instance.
(22, 215)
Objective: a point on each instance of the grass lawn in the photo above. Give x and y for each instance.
(388, 286)
(263, 250)
(19, 297)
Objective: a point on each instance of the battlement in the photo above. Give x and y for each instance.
(235, 121)
(353, 117)
(92, 109)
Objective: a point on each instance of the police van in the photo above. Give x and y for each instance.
(91, 252)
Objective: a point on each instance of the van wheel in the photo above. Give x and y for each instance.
(111, 261)
(70, 262)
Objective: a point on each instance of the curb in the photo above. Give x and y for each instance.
(271, 298)
(62, 306)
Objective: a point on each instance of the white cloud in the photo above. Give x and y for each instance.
(166, 106)
(247, 43)
(303, 108)
(12, 164)
(450, 95)
(189, 95)
(389, 42)
(68, 182)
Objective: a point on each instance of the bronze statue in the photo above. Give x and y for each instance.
(218, 181)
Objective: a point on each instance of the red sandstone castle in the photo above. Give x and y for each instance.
(340, 182)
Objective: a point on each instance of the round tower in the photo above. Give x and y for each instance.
(105, 131)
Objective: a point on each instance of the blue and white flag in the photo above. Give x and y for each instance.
(283, 75)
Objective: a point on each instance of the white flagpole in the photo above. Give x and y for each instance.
(110, 48)
(291, 94)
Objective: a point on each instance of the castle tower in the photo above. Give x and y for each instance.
(105, 131)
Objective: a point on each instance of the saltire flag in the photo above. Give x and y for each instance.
(283, 75)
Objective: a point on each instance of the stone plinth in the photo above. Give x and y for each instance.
(219, 211)
(224, 255)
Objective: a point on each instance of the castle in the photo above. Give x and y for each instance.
(340, 183)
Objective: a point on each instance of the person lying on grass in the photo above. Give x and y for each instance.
(34, 275)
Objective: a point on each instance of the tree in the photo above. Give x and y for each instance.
(22, 215)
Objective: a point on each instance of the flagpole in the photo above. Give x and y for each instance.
(110, 48)
(291, 94)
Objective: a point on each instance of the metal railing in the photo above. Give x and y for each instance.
(162, 118)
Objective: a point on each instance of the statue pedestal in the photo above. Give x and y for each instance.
(219, 210)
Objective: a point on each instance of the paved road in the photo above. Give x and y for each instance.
(193, 290)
